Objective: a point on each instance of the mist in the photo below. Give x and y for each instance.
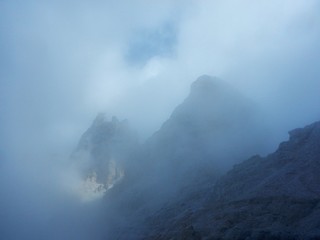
(63, 62)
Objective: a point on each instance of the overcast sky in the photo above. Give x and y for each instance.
(62, 62)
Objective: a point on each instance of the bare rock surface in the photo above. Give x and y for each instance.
(176, 184)
(276, 197)
(103, 151)
(204, 135)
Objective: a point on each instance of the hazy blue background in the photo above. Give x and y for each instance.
(61, 62)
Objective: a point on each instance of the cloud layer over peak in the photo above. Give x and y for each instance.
(64, 61)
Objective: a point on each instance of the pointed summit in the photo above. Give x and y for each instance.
(209, 88)
(197, 137)
(103, 151)
(205, 83)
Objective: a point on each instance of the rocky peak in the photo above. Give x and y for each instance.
(205, 83)
(208, 87)
(276, 197)
(104, 149)
(104, 132)
(197, 138)
(301, 136)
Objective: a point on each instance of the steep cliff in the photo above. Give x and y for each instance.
(103, 153)
(212, 129)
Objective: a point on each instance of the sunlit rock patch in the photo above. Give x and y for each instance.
(92, 189)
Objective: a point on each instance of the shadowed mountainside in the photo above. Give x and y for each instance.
(175, 185)
(195, 142)
(276, 197)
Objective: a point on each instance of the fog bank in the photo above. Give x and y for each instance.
(63, 62)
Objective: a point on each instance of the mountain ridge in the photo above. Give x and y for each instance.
(189, 180)
(246, 204)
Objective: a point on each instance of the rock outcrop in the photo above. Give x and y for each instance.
(276, 197)
(103, 152)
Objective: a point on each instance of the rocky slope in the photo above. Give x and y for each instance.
(191, 147)
(276, 197)
(195, 142)
(175, 185)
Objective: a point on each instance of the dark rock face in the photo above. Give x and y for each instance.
(174, 186)
(277, 197)
(292, 170)
(196, 140)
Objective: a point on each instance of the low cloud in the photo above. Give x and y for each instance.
(65, 61)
